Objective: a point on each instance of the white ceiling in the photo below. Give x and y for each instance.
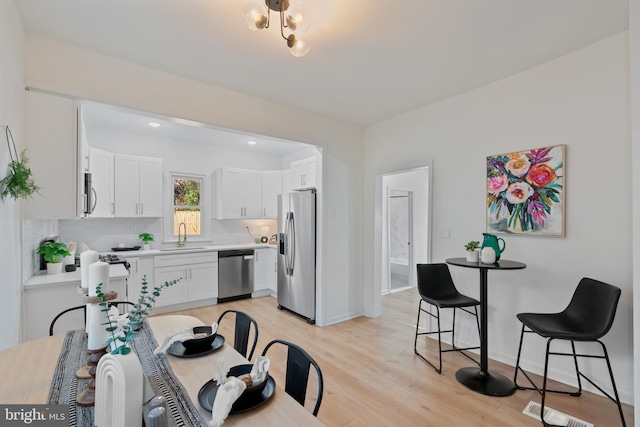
(369, 59)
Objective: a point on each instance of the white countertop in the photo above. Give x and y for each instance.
(171, 250)
(42, 279)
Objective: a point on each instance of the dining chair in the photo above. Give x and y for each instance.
(242, 331)
(436, 288)
(83, 307)
(297, 373)
(587, 318)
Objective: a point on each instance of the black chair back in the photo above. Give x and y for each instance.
(435, 282)
(592, 308)
(83, 307)
(297, 373)
(242, 330)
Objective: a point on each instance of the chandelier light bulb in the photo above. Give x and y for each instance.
(298, 45)
(255, 14)
(298, 18)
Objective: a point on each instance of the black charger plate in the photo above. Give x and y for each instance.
(207, 395)
(178, 350)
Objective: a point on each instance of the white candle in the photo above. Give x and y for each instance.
(98, 273)
(97, 330)
(86, 259)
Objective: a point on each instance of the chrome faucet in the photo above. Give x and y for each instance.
(181, 242)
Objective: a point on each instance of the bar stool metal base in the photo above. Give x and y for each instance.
(485, 382)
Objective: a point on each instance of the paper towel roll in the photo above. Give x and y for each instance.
(96, 328)
(86, 259)
(98, 273)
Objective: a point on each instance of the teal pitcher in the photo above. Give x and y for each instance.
(493, 242)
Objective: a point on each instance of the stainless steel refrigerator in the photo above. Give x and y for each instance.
(297, 253)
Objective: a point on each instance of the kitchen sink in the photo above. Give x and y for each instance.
(184, 248)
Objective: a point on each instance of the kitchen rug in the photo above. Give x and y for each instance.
(181, 412)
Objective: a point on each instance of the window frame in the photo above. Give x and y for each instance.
(205, 212)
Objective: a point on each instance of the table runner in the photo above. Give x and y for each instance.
(64, 385)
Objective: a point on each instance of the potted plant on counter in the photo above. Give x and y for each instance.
(53, 253)
(146, 238)
(472, 254)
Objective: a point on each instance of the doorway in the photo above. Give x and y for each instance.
(400, 227)
(415, 184)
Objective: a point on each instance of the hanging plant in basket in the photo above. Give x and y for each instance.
(19, 183)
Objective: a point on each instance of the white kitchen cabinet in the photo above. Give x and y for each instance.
(237, 193)
(271, 187)
(199, 274)
(53, 131)
(101, 168)
(265, 271)
(137, 186)
(139, 268)
(303, 173)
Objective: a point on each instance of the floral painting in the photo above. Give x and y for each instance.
(525, 193)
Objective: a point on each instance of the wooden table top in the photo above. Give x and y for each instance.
(26, 376)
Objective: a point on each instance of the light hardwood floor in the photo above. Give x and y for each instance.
(373, 378)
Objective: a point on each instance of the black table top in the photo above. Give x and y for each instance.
(502, 264)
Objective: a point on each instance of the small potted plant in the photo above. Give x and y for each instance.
(146, 238)
(53, 253)
(472, 254)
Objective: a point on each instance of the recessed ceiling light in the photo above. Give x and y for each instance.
(251, 142)
(154, 124)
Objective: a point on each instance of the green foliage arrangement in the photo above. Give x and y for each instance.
(19, 183)
(54, 251)
(472, 245)
(146, 237)
(145, 303)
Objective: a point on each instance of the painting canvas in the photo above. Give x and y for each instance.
(525, 192)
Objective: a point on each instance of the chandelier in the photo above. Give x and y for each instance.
(295, 18)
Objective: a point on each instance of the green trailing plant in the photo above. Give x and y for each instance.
(146, 237)
(145, 303)
(54, 251)
(19, 183)
(472, 245)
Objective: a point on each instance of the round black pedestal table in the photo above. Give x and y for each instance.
(481, 379)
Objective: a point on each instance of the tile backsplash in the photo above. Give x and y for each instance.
(102, 234)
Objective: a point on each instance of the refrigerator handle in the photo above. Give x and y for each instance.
(292, 240)
(287, 244)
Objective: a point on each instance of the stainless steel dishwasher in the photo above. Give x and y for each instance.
(235, 274)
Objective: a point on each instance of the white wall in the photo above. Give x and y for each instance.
(634, 60)
(580, 100)
(12, 46)
(62, 68)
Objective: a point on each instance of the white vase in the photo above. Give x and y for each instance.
(119, 391)
(146, 246)
(472, 256)
(54, 268)
(488, 255)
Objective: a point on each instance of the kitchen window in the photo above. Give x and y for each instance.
(187, 204)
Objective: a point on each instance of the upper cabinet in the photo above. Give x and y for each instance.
(303, 173)
(101, 167)
(271, 187)
(237, 193)
(137, 186)
(53, 139)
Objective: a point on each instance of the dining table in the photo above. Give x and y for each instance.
(481, 379)
(27, 371)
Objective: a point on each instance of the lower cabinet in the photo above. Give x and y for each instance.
(265, 271)
(198, 273)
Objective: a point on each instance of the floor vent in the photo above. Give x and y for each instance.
(554, 417)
